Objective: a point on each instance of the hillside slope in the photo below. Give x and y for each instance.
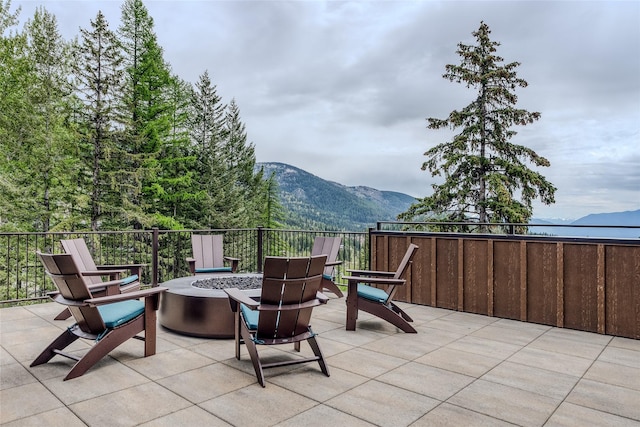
(314, 203)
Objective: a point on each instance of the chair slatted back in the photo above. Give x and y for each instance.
(82, 256)
(402, 269)
(288, 281)
(328, 246)
(208, 250)
(64, 272)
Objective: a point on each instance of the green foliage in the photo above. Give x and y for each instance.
(100, 135)
(484, 173)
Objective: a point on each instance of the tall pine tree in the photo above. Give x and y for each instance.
(484, 173)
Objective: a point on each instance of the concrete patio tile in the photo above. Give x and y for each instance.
(60, 417)
(59, 367)
(322, 416)
(606, 398)
(383, 404)
(614, 374)
(570, 415)
(552, 361)
(268, 354)
(255, 405)
(446, 415)
(134, 349)
(14, 375)
(506, 403)
(437, 337)
(422, 313)
(558, 344)
(6, 358)
(536, 380)
(207, 382)
(628, 343)
(406, 346)
(26, 400)
(320, 325)
(309, 381)
(621, 356)
(581, 336)
(24, 324)
(426, 380)
(463, 362)
(183, 341)
(216, 349)
(47, 332)
(102, 379)
(485, 347)
(162, 365)
(365, 362)
(511, 335)
(191, 416)
(129, 407)
(8, 314)
(47, 311)
(334, 316)
(462, 323)
(521, 326)
(356, 338)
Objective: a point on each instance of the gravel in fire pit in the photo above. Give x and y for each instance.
(224, 281)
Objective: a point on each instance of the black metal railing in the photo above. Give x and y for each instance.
(164, 252)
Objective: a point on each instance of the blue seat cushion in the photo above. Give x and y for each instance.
(118, 313)
(371, 293)
(214, 270)
(250, 316)
(129, 279)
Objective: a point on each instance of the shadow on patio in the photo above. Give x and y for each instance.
(460, 369)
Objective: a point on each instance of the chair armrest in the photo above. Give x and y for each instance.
(289, 307)
(374, 280)
(228, 258)
(332, 263)
(126, 296)
(103, 272)
(237, 296)
(192, 265)
(371, 273)
(133, 268)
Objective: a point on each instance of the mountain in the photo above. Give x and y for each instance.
(620, 219)
(314, 203)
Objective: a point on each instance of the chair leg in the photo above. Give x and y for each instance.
(352, 306)
(316, 350)
(401, 312)
(332, 287)
(110, 341)
(63, 315)
(386, 313)
(253, 353)
(60, 343)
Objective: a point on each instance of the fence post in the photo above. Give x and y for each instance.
(154, 257)
(259, 252)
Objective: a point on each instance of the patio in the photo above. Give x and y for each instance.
(460, 369)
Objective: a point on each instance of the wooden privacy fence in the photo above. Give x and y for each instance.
(585, 284)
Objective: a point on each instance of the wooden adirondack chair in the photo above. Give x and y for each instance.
(328, 246)
(108, 321)
(376, 301)
(208, 255)
(94, 273)
(290, 290)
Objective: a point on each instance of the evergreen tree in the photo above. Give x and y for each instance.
(50, 145)
(98, 71)
(16, 115)
(208, 135)
(484, 173)
(148, 108)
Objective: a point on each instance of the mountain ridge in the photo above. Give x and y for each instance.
(312, 202)
(316, 203)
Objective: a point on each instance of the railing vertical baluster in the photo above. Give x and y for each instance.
(154, 257)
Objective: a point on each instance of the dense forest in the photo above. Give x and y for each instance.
(97, 133)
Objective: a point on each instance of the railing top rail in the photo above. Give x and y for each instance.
(505, 224)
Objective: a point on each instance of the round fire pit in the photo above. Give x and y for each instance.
(198, 306)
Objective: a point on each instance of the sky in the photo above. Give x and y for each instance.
(342, 89)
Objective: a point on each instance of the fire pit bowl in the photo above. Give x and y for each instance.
(198, 305)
